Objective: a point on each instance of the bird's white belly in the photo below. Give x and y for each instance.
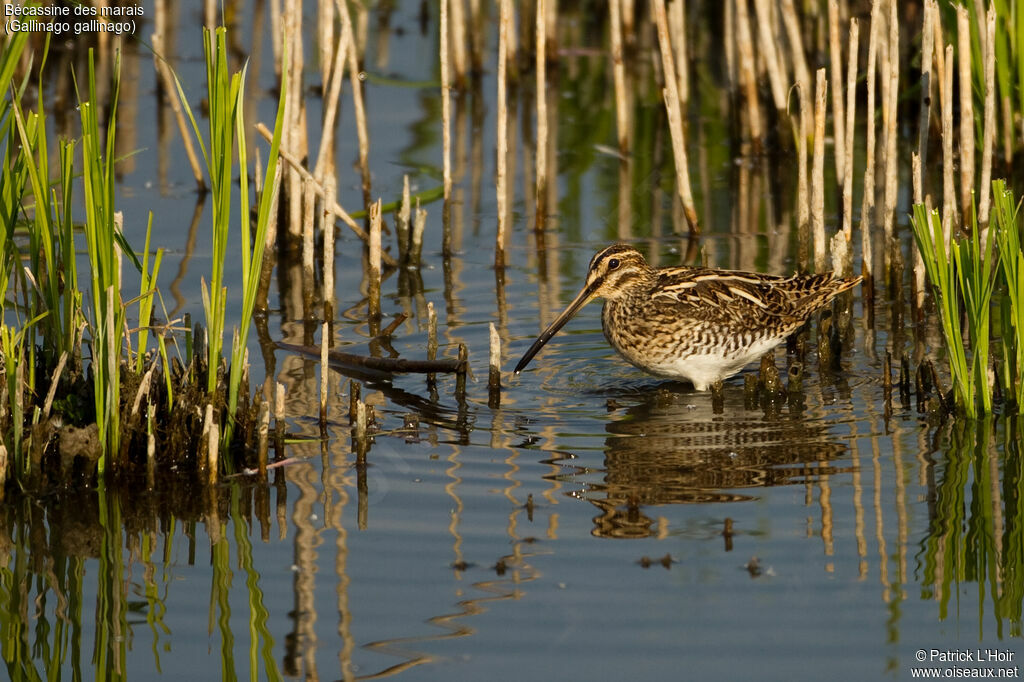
(701, 369)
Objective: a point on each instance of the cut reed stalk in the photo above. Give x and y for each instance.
(403, 222)
(919, 160)
(948, 193)
(279, 423)
(328, 252)
(851, 113)
(331, 96)
(431, 336)
(358, 105)
(803, 203)
(966, 114)
(419, 224)
(295, 139)
(747, 70)
(324, 371)
(767, 42)
(796, 47)
(927, 48)
(675, 118)
(457, 41)
(308, 229)
(373, 272)
(677, 22)
(891, 139)
(838, 110)
(919, 270)
(989, 131)
(460, 374)
(818, 173)
(501, 162)
(494, 370)
(446, 115)
(622, 128)
(263, 438)
(542, 117)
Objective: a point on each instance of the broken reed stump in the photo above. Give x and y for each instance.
(494, 370)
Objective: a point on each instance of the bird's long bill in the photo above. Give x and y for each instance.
(581, 300)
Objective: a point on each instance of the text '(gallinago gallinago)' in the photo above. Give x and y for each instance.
(697, 324)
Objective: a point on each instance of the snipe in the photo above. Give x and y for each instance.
(697, 324)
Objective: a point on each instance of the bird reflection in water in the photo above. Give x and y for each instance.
(671, 449)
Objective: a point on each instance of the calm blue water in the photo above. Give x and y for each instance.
(527, 541)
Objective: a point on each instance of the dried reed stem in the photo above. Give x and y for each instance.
(948, 193)
(150, 447)
(675, 117)
(542, 116)
(294, 111)
(327, 223)
(989, 133)
(431, 338)
(373, 272)
(362, 131)
(851, 113)
(803, 204)
(163, 71)
(927, 58)
(891, 136)
(446, 105)
(501, 170)
(279, 423)
(332, 96)
(354, 391)
(308, 228)
(494, 370)
(963, 22)
(263, 438)
(460, 374)
(868, 202)
(431, 332)
(212, 432)
(838, 110)
(747, 70)
(325, 372)
(919, 271)
(457, 41)
(619, 74)
(403, 222)
(334, 208)
(772, 61)
(677, 22)
(818, 172)
(796, 44)
(419, 223)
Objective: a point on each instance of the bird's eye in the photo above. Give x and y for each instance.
(613, 263)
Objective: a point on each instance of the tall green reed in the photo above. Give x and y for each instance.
(940, 265)
(1009, 55)
(966, 276)
(51, 250)
(226, 96)
(1007, 229)
(108, 313)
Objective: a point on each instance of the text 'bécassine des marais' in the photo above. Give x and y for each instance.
(77, 18)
